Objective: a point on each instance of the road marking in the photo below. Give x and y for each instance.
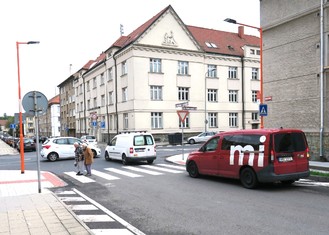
(142, 170)
(66, 193)
(95, 218)
(123, 172)
(80, 178)
(72, 199)
(111, 231)
(83, 207)
(112, 215)
(104, 175)
(161, 169)
(172, 166)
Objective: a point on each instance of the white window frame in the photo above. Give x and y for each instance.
(233, 119)
(125, 121)
(254, 96)
(111, 97)
(94, 82)
(124, 68)
(212, 71)
(233, 96)
(186, 123)
(212, 120)
(95, 102)
(102, 79)
(110, 74)
(156, 120)
(232, 72)
(124, 94)
(212, 95)
(183, 93)
(155, 65)
(254, 73)
(254, 116)
(102, 100)
(183, 68)
(156, 92)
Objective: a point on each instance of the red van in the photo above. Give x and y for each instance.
(253, 156)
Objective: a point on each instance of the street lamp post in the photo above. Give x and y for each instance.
(261, 61)
(205, 98)
(21, 142)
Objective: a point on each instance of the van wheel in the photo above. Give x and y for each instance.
(107, 157)
(124, 159)
(192, 169)
(150, 161)
(248, 178)
(52, 157)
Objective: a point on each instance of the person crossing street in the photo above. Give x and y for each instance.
(88, 158)
(79, 158)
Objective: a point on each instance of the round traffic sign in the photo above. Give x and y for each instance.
(35, 102)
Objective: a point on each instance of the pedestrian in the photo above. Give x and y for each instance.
(79, 158)
(89, 158)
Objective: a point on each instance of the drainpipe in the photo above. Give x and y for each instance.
(106, 103)
(242, 93)
(84, 103)
(321, 81)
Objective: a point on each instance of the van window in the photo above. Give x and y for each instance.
(243, 140)
(289, 142)
(141, 140)
(211, 145)
(113, 142)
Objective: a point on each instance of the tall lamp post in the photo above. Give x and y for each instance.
(205, 98)
(261, 61)
(21, 142)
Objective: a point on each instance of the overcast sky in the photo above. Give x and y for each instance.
(72, 32)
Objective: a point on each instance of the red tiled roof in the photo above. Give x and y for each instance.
(227, 43)
(54, 100)
(3, 122)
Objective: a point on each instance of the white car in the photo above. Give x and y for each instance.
(202, 137)
(62, 147)
(89, 139)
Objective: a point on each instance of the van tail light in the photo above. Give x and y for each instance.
(131, 150)
(308, 153)
(46, 146)
(272, 156)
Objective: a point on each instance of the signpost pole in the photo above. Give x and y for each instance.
(37, 137)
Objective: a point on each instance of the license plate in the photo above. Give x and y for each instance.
(138, 150)
(285, 159)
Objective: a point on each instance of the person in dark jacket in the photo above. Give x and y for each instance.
(79, 158)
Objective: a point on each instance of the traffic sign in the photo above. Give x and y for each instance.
(94, 123)
(189, 108)
(181, 104)
(13, 126)
(263, 110)
(182, 114)
(103, 125)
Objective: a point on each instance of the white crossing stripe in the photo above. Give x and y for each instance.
(95, 218)
(142, 170)
(111, 231)
(104, 175)
(72, 199)
(161, 169)
(123, 172)
(66, 193)
(183, 168)
(81, 178)
(82, 207)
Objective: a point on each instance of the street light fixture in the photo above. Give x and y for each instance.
(232, 21)
(205, 98)
(21, 142)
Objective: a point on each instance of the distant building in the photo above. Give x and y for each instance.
(49, 123)
(143, 79)
(292, 68)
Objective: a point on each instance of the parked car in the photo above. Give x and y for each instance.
(62, 147)
(89, 139)
(29, 145)
(131, 147)
(202, 137)
(253, 156)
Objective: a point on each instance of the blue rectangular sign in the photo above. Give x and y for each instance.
(263, 110)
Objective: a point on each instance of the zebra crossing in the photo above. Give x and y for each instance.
(128, 171)
(96, 217)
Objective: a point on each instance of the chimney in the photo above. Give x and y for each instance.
(241, 31)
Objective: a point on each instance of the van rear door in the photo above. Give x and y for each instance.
(144, 146)
(289, 152)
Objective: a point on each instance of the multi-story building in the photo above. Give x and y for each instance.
(293, 74)
(140, 81)
(49, 123)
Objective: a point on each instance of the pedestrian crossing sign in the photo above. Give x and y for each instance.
(263, 110)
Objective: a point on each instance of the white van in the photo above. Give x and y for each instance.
(131, 147)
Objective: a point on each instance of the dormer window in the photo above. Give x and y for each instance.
(230, 48)
(211, 44)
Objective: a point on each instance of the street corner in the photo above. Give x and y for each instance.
(53, 179)
(177, 159)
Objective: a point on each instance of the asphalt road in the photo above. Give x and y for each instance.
(173, 203)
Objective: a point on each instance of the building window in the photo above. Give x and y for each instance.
(109, 74)
(102, 79)
(233, 96)
(94, 83)
(212, 95)
(254, 96)
(254, 74)
(182, 67)
(88, 86)
(252, 52)
(212, 71)
(88, 104)
(124, 68)
(156, 120)
(156, 92)
(111, 97)
(233, 119)
(258, 52)
(155, 65)
(212, 119)
(186, 123)
(183, 93)
(124, 94)
(95, 102)
(103, 100)
(232, 72)
(125, 121)
(254, 116)
(81, 90)
(111, 122)
(81, 105)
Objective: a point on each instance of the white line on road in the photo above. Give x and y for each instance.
(95, 218)
(161, 169)
(123, 172)
(104, 175)
(142, 170)
(183, 168)
(80, 178)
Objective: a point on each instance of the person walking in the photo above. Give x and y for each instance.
(78, 158)
(89, 158)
